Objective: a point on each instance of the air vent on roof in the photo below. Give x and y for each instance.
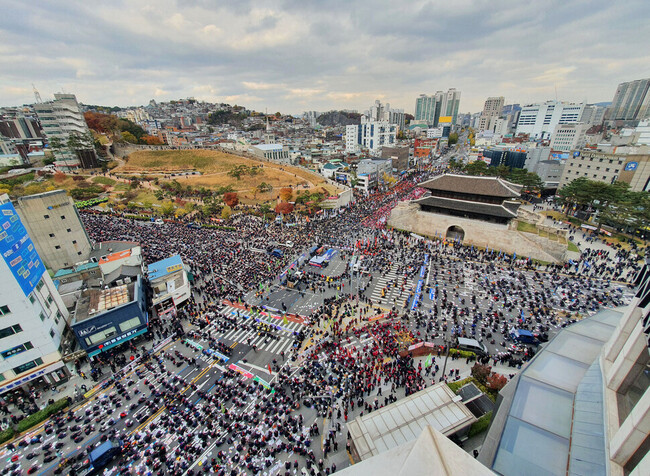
(127, 280)
(119, 282)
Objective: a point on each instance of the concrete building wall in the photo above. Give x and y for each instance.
(37, 324)
(53, 223)
(567, 137)
(607, 167)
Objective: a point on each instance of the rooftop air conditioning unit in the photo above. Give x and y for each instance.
(127, 280)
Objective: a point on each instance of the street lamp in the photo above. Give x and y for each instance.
(444, 367)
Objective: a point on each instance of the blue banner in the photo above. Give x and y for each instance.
(18, 250)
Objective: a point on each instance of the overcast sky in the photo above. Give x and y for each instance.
(298, 55)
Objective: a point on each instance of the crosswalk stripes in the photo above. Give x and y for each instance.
(395, 291)
(239, 334)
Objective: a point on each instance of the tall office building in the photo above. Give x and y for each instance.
(631, 101)
(54, 225)
(61, 119)
(429, 109)
(539, 120)
(33, 316)
(492, 110)
(593, 115)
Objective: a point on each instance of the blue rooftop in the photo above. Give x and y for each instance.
(164, 267)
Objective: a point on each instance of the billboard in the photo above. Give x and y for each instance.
(18, 250)
(559, 155)
(445, 120)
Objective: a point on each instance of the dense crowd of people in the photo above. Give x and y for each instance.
(477, 293)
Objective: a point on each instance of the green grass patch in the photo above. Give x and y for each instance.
(121, 187)
(41, 415)
(526, 227)
(573, 247)
(18, 180)
(104, 181)
(457, 385)
(6, 435)
(480, 425)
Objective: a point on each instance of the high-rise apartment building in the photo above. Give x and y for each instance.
(33, 317)
(383, 112)
(370, 135)
(429, 109)
(60, 119)
(539, 120)
(593, 115)
(53, 223)
(631, 101)
(492, 110)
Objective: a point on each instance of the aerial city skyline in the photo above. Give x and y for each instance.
(297, 56)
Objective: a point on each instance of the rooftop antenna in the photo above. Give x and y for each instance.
(37, 95)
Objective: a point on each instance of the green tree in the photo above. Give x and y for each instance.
(478, 167)
(210, 207)
(226, 212)
(167, 208)
(128, 137)
(453, 138)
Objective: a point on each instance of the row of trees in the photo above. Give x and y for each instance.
(530, 180)
(611, 204)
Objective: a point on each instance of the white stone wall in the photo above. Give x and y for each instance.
(408, 216)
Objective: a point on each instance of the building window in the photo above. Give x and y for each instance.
(52, 333)
(40, 285)
(49, 299)
(28, 366)
(100, 336)
(4, 310)
(32, 299)
(42, 316)
(9, 331)
(130, 324)
(46, 216)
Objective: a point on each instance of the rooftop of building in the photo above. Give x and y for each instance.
(404, 420)
(431, 453)
(164, 267)
(106, 248)
(94, 301)
(40, 196)
(269, 146)
(505, 209)
(486, 186)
